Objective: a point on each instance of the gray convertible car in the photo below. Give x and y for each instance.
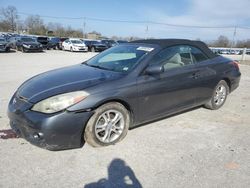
(99, 100)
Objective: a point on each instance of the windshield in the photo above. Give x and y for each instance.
(97, 42)
(112, 42)
(76, 41)
(121, 58)
(55, 39)
(26, 39)
(2, 40)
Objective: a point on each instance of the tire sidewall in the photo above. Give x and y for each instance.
(89, 134)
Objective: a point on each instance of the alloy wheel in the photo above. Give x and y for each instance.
(220, 95)
(109, 126)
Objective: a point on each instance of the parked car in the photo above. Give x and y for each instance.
(224, 51)
(109, 43)
(121, 41)
(216, 51)
(95, 46)
(127, 85)
(62, 39)
(25, 44)
(4, 45)
(74, 45)
(53, 43)
(44, 41)
(235, 52)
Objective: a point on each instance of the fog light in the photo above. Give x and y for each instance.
(37, 135)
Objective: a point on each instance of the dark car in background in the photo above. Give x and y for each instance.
(95, 46)
(44, 41)
(109, 43)
(54, 43)
(121, 41)
(26, 44)
(123, 87)
(4, 45)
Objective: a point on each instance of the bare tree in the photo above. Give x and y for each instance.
(9, 18)
(35, 25)
(222, 41)
(243, 44)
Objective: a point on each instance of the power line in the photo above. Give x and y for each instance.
(139, 22)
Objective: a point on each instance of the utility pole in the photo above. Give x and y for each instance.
(234, 35)
(84, 28)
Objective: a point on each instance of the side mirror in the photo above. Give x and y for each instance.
(154, 69)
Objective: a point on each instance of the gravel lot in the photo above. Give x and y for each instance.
(199, 148)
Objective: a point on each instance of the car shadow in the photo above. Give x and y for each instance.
(7, 134)
(119, 175)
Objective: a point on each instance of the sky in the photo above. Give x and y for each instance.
(207, 13)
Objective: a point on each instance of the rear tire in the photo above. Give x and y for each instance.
(219, 96)
(108, 125)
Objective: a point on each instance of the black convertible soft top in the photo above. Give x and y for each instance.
(164, 43)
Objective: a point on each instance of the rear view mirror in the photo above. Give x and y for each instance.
(154, 69)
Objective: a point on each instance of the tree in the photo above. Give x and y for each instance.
(35, 25)
(243, 44)
(222, 41)
(9, 18)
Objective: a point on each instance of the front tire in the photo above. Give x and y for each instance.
(7, 49)
(108, 125)
(219, 96)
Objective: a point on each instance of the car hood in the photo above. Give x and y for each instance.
(68, 79)
(31, 43)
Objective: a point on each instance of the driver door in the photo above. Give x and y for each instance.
(171, 91)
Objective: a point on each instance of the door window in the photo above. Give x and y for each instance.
(198, 55)
(174, 57)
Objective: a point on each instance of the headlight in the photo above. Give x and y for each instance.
(27, 46)
(59, 102)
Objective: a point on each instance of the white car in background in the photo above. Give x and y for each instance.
(74, 45)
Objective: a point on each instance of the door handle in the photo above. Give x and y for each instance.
(195, 75)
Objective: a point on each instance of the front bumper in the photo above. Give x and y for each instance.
(57, 131)
(2, 48)
(80, 49)
(33, 49)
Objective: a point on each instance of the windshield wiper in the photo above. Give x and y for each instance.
(97, 66)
